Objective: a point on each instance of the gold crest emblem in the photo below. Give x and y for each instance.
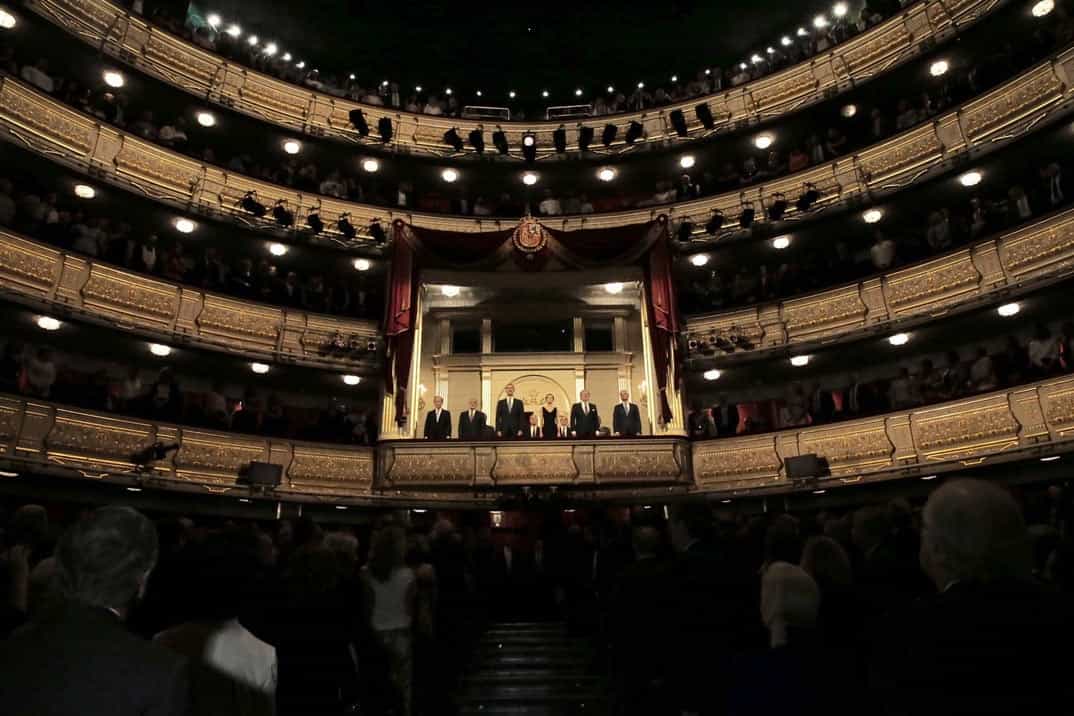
(529, 237)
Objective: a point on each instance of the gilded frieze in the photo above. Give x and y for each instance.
(831, 310)
(854, 448)
(75, 434)
(350, 467)
(931, 284)
(131, 294)
(656, 463)
(424, 465)
(734, 460)
(968, 428)
(537, 465)
(28, 265)
(210, 453)
(1048, 245)
(1015, 101)
(232, 317)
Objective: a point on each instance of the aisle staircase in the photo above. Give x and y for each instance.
(533, 669)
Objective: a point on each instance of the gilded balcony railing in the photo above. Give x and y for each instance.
(59, 283)
(132, 39)
(1017, 262)
(981, 125)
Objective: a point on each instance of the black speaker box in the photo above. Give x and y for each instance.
(263, 474)
(804, 466)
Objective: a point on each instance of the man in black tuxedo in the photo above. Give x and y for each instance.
(79, 657)
(472, 423)
(438, 421)
(533, 430)
(510, 420)
(626, 418)
(563, 428)
(584, 419)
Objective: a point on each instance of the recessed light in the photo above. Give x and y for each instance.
(929, 477)
(252, 40)
(544, 93)
(785, 41)
(206, 119)
(292, 146)
(578, 92)
(362, 264)
(371, 165)
(699, 260)
(610, 89)
(939, 67)
(113, 79)
(277, 249)
(799, 361)
(872, 216)
(1043, 7)
(686, 161)
(613, 288)
(899, 339)
(134, 489)
(450, 175)
(450, 291)
(259, 368)
(7, 20)
(848, 110)
(606, 174)
(781, 242)
(244, 499)
(48, 323)
(641, 85)
(287, 58)
(712, 374)
(819, 492)
(160, 350)
(756, 59)
(512, 94)
(341, 507)
(85, 191)
(839, 9)
(801, 32)
(1050, 458)
(271, 49)
(301, 65)
(971, 178)
(351, 380)
(185, 226)
(8, 473)
(233, 30)
(763, 141)
(1008, 309)
(419, 510)
(820, 22)
(529, 178)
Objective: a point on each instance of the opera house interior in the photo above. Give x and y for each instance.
(707, 358)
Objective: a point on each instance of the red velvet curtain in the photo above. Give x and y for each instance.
(400, 319)
(663, 317)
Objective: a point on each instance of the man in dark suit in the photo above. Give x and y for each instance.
(510, 421)
(725, 417)
(563, 428)
(472, 423)
(584, 419)
(79, 657)
(533, 431)
(626, 418)
(438, 421)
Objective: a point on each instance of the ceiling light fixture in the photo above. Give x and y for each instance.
(277, 249)
(259, 368)
(972, 178)
(839, 9)
(872, 216)
(614, 288)
(712, 374)
(899, 339)
(799, 361)
(362, 264)
(938, 68)
(529, 178)
(849, 110)
(820, 22)
(233, 31)
(450, 291)
(351, 380)
(371, 165)
(292, 146)
(1050, 458)
(763, 141)
(1008, 309)
(699, 260)
(785, 41)
(606, 174)
(185, 226)
(7, 20)
(160, 350)
(781, 242)
(271, 49)
(252, 40)
(206, 119)
(450, 175)
(85, 191)
(113, 79)
(686, 161)
(1043, 8)
(48, 323)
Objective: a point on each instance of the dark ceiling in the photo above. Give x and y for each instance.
(554, 44)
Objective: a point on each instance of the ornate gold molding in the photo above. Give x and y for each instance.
(986, 428)
(1020, 261)
(110, 29)
(38, 275)
(62, 134)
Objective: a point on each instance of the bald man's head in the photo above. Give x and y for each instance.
(973, 532)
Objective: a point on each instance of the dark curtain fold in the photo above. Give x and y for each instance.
(400, 319)
(663, 317)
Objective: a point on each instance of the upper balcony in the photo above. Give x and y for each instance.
(167, 57)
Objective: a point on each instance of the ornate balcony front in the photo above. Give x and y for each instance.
(109, 28)
(37, 275)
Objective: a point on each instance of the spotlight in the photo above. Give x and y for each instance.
(362, 264)
(114, 79)
(314, 221)
(447, 91)
(377, 232)
(214, 20)
(971, 178)
(778, 207)
(357, 118)
(345, 227)
(745, 219)
(606, 174)
(384, 126)
(678, 121)
(781, 242)
(872, 216)
(529, 178)
(820, 22)
(512, 94)
(641, 85)
(286, 57)
(585, 137)
(48, 323)
(704, 115)
(371, 165)
(840, 9)
(674, 78)
(686, 161)
(277, 249)
(1042, 8)
(292, 146)
(453, 140)
(477, 140)
(283, 216)
(634, 132)
(301, 65)
(608, 135)
(185, 226)
(938, 68)
(1008, 309)
(351, 380)
(559, 140)
(712, 374)
(715, 223)
(899, 339)
(808, 198)
(205, 119)
(801, 32)
(479, 93)
(499, 140)
(529, 146)
(699, 260)
(611, 89)
(449, 175)
(578, 92)
(85, 191)
(160, 350)
(252, 40)
(799, 361)
(763, 141)
(259, 368)
(756, 59)
(250, 204)
(785, 41)
(544, 93)
(271, 49)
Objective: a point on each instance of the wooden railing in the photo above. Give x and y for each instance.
(109, 28)
(981, 125)
(59, 283)
(1017, 262)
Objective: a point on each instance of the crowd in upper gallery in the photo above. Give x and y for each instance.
(769, 155)
(823, 32)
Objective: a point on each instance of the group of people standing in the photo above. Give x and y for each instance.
(513, 421)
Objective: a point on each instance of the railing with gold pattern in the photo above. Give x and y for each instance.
(983, 124)
(584, 464)
(45, 435)
(36, 274)
(130, 38)
(1017, 262)
(994, 427)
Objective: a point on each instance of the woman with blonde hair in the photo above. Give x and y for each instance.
(549, 421)
(391, 595)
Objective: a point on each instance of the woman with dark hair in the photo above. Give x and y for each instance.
(391, 596)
